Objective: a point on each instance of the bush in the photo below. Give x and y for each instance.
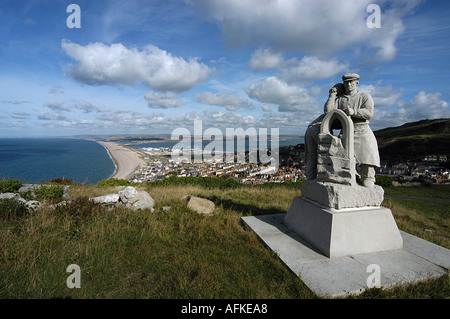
(383, 181)
(11, 209)
(112, 182)
(205, 182)
(49, 192)
(62, 181)
(10, 186)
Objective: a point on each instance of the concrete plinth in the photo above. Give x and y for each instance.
(345, 232)
(332, 277)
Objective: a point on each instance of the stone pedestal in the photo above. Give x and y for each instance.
(340, 196)
(343, 232)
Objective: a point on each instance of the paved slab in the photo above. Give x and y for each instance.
(417, 260)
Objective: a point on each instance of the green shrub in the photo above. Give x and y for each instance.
(62, 181)
(114, 182)
(10, 186)
(205, 182)
(383, 181)
(11, 209)
(49, 192)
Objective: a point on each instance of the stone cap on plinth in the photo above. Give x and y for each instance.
(340, 196)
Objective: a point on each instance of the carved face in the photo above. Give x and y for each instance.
(350, 86)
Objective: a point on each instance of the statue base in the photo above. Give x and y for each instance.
(338, 233)
(340, 196)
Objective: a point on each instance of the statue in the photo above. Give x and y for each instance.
(359, 106)
(334, 214)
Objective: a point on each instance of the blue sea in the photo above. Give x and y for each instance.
(37, 160)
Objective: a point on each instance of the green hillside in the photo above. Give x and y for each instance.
(412, 141)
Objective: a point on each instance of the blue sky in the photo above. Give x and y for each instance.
(149, 67)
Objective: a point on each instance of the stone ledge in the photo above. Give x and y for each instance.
(340, 196)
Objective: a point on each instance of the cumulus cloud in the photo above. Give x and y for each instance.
(290, 98)
(265, 59)
(58, 106)
(382, 95)
(229, 101)
(422, 106)
(51, 116)
(89, 107)
(98, 64)
(162, 101)
(319, 27)
(428, 106)
(311, 68)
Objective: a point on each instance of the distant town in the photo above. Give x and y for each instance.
(434, 168)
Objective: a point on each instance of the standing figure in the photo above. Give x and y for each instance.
(360, 107)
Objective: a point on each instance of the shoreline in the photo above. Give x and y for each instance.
(125, 159)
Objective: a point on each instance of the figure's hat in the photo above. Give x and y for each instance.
(350, 76)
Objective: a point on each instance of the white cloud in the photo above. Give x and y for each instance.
(266, 108)
(162, 101)
(98, 63)
(48, 116)
(229, 101)
(265, 59)
(382, 95)
(88, 107)
(422, 106)
(319, 27)
(428, 106)
(289, 98)
(58, 106)
(20, 115)
(311, 68)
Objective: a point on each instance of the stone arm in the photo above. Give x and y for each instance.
(365, 110)
(330, 104)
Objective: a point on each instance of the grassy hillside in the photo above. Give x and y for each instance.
(177, 253)
(414, 140)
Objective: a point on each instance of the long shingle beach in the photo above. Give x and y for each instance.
(126, 160)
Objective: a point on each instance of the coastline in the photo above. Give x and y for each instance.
(126, 160)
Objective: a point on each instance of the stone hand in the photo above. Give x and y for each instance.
(349, 111)
(333, 91)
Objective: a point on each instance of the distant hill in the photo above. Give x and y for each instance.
(413, 141)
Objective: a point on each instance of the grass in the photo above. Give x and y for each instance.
(175, 254)
(429, 220)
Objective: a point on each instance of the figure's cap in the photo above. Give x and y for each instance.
(350, 76)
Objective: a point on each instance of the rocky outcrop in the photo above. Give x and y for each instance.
(130, 197)
(17, 197)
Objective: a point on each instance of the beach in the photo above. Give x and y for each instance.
(126, 159)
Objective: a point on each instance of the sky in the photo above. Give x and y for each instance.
(150, 66)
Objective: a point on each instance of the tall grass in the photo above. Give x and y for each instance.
(175, 254)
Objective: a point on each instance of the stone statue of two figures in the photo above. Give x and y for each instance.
(332, 159)
(336, 214)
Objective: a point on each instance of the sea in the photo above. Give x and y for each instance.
(39, 160)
